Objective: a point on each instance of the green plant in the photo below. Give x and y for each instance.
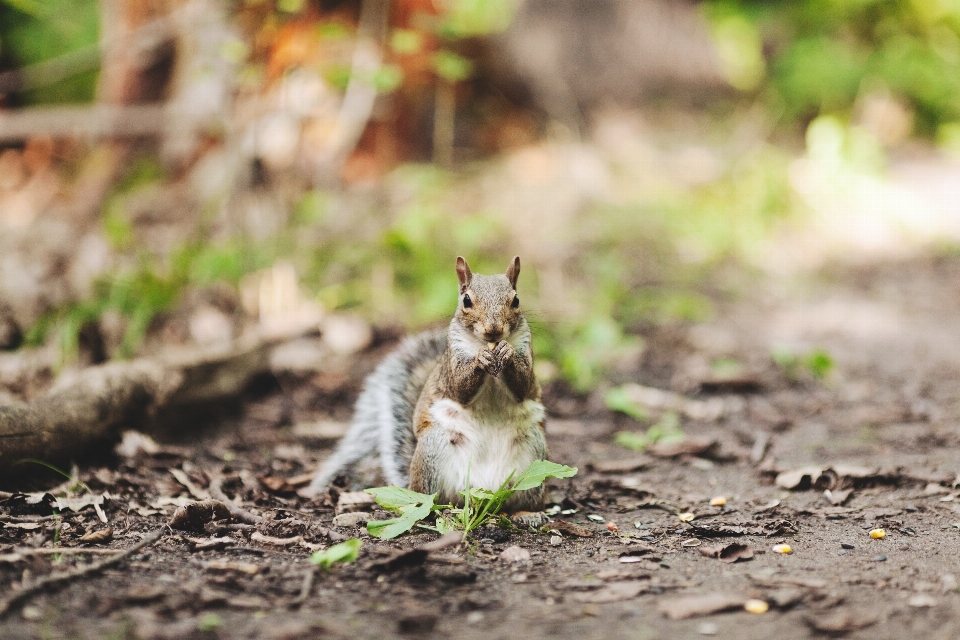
(479, 505)
(667, 430)
(817, 364)
(343, 552)
(78, 484)
(209, 622)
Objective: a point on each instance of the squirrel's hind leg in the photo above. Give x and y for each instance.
(359, 442)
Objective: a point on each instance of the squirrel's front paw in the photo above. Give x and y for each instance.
(488, 362)
(503, 353)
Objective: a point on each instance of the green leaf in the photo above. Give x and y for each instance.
(476, 493)
(618, 399)
(539, 471)
(631, 440)
(344, 552)
(410, 515)
(395, 499)
(451, 67)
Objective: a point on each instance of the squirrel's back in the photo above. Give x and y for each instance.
(383, 414)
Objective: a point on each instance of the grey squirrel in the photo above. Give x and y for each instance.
(454, 402)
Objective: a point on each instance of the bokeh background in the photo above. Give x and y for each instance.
(178, 172)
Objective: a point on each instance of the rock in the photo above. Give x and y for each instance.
(515, 554)
(346, 334)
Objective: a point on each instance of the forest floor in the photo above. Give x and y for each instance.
(882, 424)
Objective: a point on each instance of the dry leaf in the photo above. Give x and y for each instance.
(729, 553)
(621, 466)
(225, 566)
(101, 536)
(570, 528)
(515, 554)
(193, 516)
(841, 621)
(350, 501)
(615, 592)
(699, 605)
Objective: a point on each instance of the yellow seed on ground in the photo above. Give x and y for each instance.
(878, 534)
(718, 501)
(782, 548)
(686, 517)
(756, 606)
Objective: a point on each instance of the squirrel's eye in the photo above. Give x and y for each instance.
(516, 302)
(467, 302)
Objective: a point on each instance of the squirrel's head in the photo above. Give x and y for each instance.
(489, 305)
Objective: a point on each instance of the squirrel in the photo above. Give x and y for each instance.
(455, 405)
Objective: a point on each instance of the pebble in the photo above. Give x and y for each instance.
(880, 558)
(842, 552)
(846, 545)
(515, 554)
(352, 519)
(555, 540)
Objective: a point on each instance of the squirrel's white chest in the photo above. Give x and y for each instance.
(490, 438)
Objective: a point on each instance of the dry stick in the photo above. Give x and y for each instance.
(66, 551)
(306, 588)
(360, 97)
(237, 512)
(62, 578)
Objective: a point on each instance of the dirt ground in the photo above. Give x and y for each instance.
(883, 425)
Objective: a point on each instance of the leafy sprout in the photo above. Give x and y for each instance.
(667, 430)
(337, 554)
(479, 505)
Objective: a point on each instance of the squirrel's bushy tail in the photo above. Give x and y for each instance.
(383, 415)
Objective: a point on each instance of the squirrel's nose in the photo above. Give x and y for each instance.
(492, 334)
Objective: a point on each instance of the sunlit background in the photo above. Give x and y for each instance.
(188, 171)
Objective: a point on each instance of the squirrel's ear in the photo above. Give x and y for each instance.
(463, 273)
(513, 271)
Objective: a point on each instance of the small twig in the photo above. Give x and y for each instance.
(65, 515)
(66, 551)
(64, 577)
(306, 587)
(237, 512)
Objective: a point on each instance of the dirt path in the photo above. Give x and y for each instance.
(888, 412)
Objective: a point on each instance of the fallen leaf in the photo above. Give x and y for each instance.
(691, 446)
(699, 605)
(100, 536)
(350, 501)
(841, 621)
(730, 553)
(226, 566)
(570, 528)
(621, 466)
(837, 497)
(354, 519)
(184, 479)
(193, 516)
(208, 544)
(798, 479)
(276, 484)
(614, 592)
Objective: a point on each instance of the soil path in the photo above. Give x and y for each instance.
(885, 421)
